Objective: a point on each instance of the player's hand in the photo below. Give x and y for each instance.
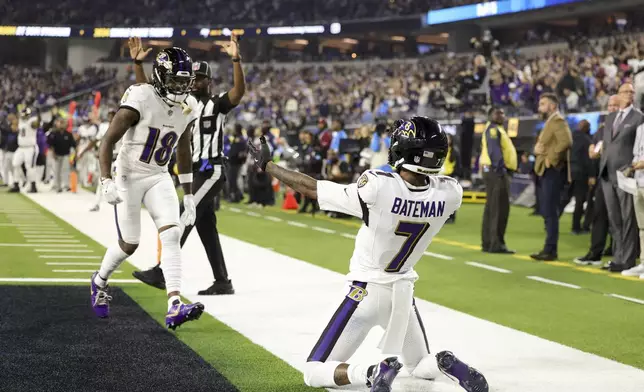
(262, 155)
(232, 48)
(189, 210)
(136, 49)
(110, 192)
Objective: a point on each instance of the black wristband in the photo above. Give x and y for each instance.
(236, 60)
(138, 62)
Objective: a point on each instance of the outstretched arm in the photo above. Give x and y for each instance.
(300, 183)
(239, 87)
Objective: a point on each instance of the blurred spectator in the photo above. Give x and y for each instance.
(581, 170)
(617, 154)
(62, 143)
(237, 153)
(552, 166)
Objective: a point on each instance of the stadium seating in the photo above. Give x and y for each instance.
(191, 12)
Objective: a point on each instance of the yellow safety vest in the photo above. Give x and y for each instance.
(448, 165)
(507, 148)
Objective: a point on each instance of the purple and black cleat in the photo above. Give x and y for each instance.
(100, 299)
(469, 378)
(180, 313)
(384, 375)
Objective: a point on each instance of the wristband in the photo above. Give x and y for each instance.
(138, 62)
(236, 60)
(185, 178)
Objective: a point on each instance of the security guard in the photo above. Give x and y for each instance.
(498, 160)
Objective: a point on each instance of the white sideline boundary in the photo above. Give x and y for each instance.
(295, 311)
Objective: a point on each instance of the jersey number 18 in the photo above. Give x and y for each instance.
(413, 231)
(164, 152)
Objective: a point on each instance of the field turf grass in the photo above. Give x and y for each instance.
(585, 318)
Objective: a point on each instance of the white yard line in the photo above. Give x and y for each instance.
(554, 282)
(79, 271)
(64, 250)
(55, 232)
(233, 209)
(59, 241)
(63, 280)
(78, 264)
(34, 245)
(349, 236)
(254, 214)
(68, 257)
(323, 230)
(296, 224)
(45, 236)
(273, 218)
(488, 267)
(37, 225)
(438, 256)
(625, 298)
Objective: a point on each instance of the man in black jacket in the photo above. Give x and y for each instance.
(581, 170)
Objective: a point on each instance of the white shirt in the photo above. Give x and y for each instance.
(399, 221)
(147, 146)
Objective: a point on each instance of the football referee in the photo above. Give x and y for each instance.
(207, 162)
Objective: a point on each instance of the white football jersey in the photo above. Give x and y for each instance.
(86, 133)
(148, 145)
(27, 134)
(399, 221)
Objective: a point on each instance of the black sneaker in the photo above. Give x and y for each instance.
(15, 188)
(152, 277)
(219, 288)
(588, 260)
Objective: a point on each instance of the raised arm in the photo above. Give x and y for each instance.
(138, 54)
(239, 87)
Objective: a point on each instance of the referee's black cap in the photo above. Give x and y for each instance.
(202, 68)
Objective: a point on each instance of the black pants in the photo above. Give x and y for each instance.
(623, 225)
(497, 210)
(205, 186)
(234, 193)
(599, 224)
(551, 185)
(579, 189)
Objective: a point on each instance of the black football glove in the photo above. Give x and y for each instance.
(262, 155)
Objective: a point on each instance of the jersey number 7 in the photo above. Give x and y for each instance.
(413, 231)
(164, 152)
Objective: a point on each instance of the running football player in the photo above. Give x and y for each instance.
(401, 214)
(151, 119)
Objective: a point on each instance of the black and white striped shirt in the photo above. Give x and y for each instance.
(208, 128)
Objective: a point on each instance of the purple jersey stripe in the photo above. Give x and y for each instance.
(334, 329)
(118, 228)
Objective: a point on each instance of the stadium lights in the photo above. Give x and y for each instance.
(350, 41)
(398, 38)
(127, 32)
(318, 29)
(301, 42)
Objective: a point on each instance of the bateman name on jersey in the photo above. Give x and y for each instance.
(418, 209)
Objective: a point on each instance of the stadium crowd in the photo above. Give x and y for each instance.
(197, 12)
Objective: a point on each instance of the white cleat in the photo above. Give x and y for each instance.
(638, 270)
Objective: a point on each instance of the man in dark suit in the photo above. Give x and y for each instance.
(617, 154)
(580, 169)
(552, 165)
(596, 212)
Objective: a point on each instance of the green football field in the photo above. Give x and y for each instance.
(580, 307)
